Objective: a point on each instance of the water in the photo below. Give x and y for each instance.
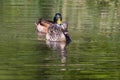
(93, 53)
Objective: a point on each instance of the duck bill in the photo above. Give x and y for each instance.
(59, 21)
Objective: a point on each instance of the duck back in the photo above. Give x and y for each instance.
(43, 25)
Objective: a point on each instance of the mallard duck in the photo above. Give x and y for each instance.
(55, 30)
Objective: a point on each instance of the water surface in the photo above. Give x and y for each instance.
(93, 54)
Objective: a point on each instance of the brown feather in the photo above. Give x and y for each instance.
(44, 23)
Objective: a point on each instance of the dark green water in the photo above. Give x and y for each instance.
(93, 54)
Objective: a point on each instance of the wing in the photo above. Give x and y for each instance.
(43, 25)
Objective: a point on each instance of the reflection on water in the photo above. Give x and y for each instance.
(59, 46)
(41, 36)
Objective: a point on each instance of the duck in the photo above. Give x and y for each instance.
(55, 30)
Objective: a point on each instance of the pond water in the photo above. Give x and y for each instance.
(93, 53)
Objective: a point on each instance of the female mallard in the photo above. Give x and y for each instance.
(55, 30)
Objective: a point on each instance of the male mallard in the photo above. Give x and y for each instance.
(55, 30)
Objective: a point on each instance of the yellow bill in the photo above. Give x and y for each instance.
(59, 21)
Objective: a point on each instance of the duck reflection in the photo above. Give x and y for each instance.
(59, 46)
